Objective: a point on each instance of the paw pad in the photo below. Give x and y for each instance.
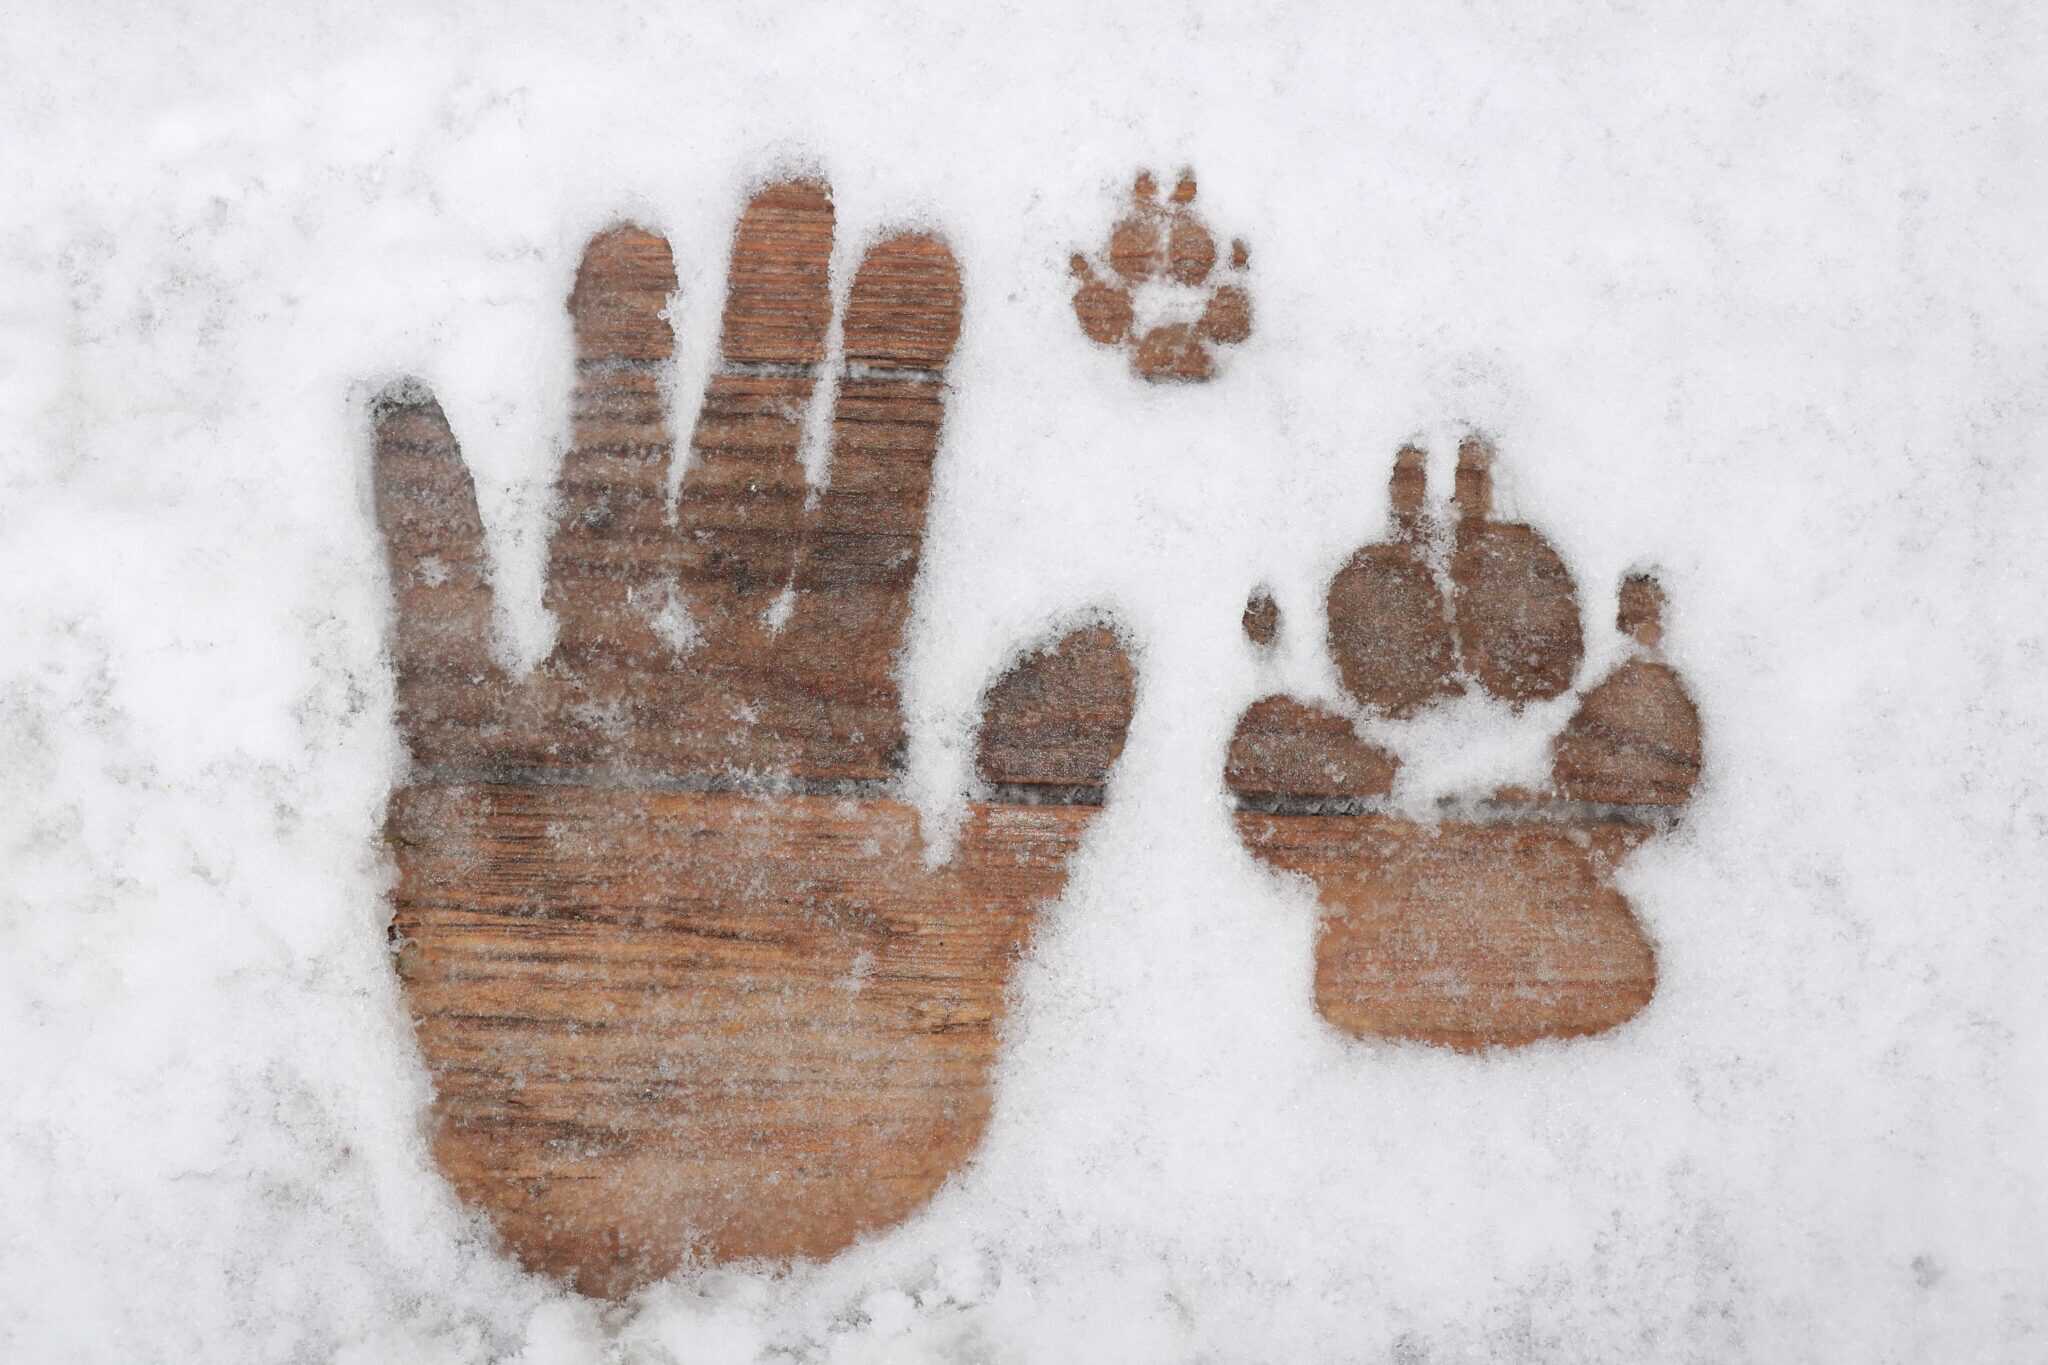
(1501, 926)
(1161, 290)
(1510, 623)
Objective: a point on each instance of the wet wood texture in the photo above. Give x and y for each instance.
(683, 981)
(1501, 925)
(1466, 935)
(1164, 246)
(666, 1024)
(788, 609)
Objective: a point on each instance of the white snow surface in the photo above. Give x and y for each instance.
(1750, 294)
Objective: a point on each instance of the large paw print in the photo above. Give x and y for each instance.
(1166, 299)
(682, 979)
(1500, 926)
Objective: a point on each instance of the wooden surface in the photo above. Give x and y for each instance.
(1164, 248)
(1055, 722)
(665, 1023)
(806, 698)
(681, 977)
(1261, 618)
(685, 985)
(1500, 926)
(1467, 935)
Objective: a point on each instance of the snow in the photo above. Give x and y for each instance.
(1754, 297)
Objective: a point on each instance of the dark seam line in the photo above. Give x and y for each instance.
(1476, 812)
(1045, 794)
(857, 371)
(613, 779)
(736, 784)
(1039, 794)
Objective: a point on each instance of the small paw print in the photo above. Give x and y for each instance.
(1503, 925)
(1162, 294)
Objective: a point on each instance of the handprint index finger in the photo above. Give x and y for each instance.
(861, 552)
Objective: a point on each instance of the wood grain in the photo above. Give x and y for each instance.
(1470, 936)
(1635, 740)
(675, 1024)
(671, 656)
(1164, 243)
(1501, 927)
(1390, 634)
(1287, 750)
(1056, 720)
(682, 978)
(1516, 607)
(685, 984)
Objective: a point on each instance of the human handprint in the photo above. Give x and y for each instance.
(684, 983)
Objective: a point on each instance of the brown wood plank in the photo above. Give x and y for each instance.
(1389, 632)
(1516, 606)
(1501, 928)
(1466, 935)
(666, 1023)
(1057, 719)
(682, 979)
(752, 632)
(1635, 740)
(1286, 748)
(1163, 243)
